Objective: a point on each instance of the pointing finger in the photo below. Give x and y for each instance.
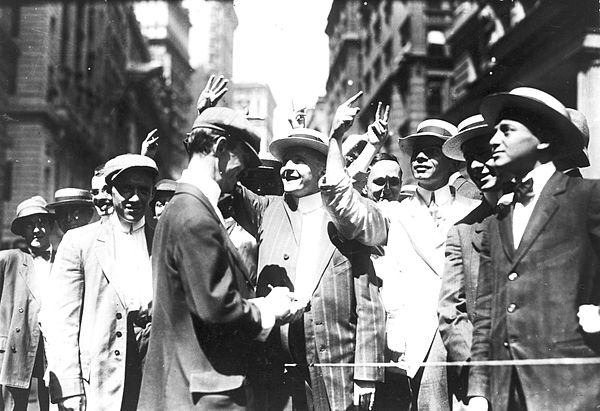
(353, 98)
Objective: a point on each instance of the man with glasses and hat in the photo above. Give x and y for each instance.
(543, 254)
(24, 277)
(102, 281)
(73, 208)
(333, 282)
(459, 282)
(207, 326)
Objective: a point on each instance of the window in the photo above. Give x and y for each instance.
(434, 97)
(436, 43)
(405, 34)
(15, 24)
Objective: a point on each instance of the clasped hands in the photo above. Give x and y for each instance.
(284, 305)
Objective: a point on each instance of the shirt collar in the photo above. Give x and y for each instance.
(442, 195)
(310, 203)
(540, 176)
(207, 186)
(125, 226)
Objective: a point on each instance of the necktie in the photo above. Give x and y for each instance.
(45, 254)
(433, 210)
(524, 191)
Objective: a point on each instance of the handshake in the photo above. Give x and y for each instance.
(284, 305)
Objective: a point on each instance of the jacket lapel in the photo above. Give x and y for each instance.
(506, 234)
(543, 211)
(104, 247)
(25, 270)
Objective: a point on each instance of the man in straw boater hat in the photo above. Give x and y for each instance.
(73, 208)
(102, 281)
(24, 277)
(333, 283)
(206, 324)
(543, 264)
(459, 282)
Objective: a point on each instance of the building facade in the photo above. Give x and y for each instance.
(81, 87)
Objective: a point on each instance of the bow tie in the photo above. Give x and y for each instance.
(524, 191)
(46, 254)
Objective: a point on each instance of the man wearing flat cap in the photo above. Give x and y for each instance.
(73, 208)
(333, 281)
(103, 291)
(23, 278)
(540, 263)
(206, 322)
(163, 192)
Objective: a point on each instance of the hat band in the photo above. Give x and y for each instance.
(435, 130)
(69, 198)
(474, 125)
(308, 137)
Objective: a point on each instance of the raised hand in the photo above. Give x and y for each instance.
(150, 144)
(298, 118)
(344, 117)
(214, 90)
(377, 131)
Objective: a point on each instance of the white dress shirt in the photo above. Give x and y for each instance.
(522, 213)
(132, 263)
(40, 281)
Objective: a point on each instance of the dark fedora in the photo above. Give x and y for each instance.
(71, 196)
(233, 124)
(300, 137)
(469, 128)
(539, 103)
(32, 206)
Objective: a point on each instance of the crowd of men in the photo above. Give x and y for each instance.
(346, 291)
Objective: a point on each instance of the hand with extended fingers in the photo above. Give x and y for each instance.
(150, 144)
(377, 131)
(214, 90)
(344, 117)
(298, 118)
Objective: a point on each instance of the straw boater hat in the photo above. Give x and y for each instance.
(233, 124)
(116, 166)
(300, 137)
(71, 196)
(439, 129)
(469, 128)
(32, 206)
(531, 100)
(581, 158)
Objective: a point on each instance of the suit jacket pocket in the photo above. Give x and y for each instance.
(3, 340)
(209, 382)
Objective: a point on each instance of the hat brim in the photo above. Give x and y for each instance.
(17, 225)
(70, 202)
(281, 145)
(452, 148)
(110, 177)
(406, 143)
(568, 135)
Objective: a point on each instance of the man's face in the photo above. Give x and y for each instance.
(478, 153)
(131, 193)
(301, 170)
(430, 167)
(101, 196)
(162, 199)
(73, 216)
(384, 181)
(514, 147)
(36, 230)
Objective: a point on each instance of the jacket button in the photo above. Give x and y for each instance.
(18, 330)
(512, 276)
(286, 257)
(13, 348)
(117, 352)
(119, 333)
(505, 343)
(20, 310)
(119, 316)
(511, 308)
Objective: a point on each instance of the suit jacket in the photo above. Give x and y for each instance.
(19, 327)
(202, 324)
(527, 300)
(411, 297)
(87, 337)
(345, 319)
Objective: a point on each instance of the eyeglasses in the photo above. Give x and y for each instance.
(390, 180)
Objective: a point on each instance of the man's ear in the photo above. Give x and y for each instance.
(219, 146)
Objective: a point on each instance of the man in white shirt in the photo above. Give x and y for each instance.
(102, 290)
(540, 262)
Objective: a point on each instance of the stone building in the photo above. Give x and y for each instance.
(79, 86)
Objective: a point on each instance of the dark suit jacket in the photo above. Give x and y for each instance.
(458, 291)
(345, 322)
(19, 328)
(533, 312)
(202, 324)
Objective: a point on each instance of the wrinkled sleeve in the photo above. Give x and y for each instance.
(355, 217)
(249, 208)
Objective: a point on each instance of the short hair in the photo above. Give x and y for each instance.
(201, 140)
(385, 157)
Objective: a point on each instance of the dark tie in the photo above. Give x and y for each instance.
(524, 191)
(46, 254)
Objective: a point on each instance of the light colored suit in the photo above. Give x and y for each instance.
(87, 341)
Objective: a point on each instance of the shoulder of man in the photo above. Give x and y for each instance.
(11, 255)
